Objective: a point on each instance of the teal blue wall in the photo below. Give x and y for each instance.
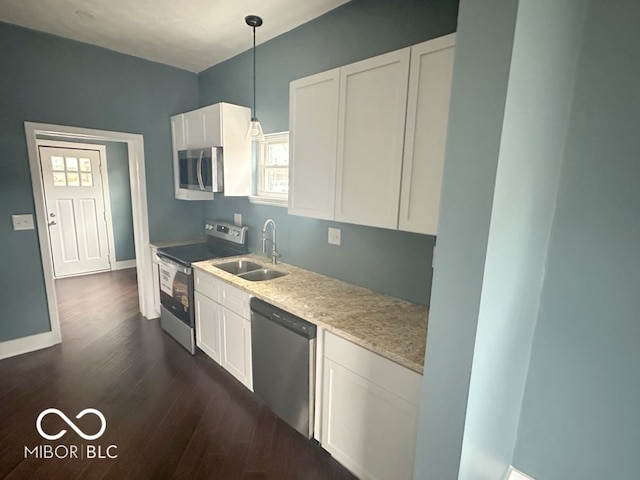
(388, 261)
(580, 413)
(480, 79)
(532, 355)
(355, 31)
(52, 80)
(545, 48)
(120, 197)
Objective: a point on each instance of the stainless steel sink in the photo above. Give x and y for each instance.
(262, 274)
(239, 267)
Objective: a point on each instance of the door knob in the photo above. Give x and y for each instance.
(52, 222)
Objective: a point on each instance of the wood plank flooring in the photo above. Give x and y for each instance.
(170, 415)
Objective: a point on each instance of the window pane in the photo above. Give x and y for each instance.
(57, 163)
(276, 180)
(273, 167)
(85, 165)
(72, 164)
(59, 179)
(73, 179)
(277, 154)
(87, 179)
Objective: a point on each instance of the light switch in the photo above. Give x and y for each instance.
(237, 219)
(334, 236)
(22, 222)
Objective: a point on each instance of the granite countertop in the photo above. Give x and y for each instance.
(391, 327)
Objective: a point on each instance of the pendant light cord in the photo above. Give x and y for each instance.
(254, 72)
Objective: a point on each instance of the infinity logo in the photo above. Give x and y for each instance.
(71, 424)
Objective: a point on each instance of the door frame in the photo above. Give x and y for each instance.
(102, 149)
(137, 179)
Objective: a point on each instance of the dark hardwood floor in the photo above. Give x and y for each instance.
(169, 414)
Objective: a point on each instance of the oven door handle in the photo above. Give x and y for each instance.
(172, 265)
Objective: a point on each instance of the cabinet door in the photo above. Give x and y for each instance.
(373, 102)
(208, 331)
(211, 126)
(365, 427)
(236, 150)
(202, 127)
(194, 129)
(426, 134)
(178, 132)
(236, 346)
(313, 130)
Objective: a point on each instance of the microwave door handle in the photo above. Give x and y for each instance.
(200, 181)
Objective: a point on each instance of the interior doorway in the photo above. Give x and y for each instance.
(135, 147)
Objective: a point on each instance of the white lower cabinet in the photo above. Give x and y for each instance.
(223, 325)
(208, 331)
(236, 338)
(369, 411)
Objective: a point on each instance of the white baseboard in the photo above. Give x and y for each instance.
(515, 474)
(124, 264)
(11, 348)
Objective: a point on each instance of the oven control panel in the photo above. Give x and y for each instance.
(226, 231)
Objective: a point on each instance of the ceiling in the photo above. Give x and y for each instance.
(188, 34)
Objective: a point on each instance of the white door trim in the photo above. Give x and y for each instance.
(105, 185)
(137, 178)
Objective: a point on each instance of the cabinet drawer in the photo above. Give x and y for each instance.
(208, 285)
(394, 378)
(236, 300)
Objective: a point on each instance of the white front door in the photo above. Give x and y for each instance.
(75, 210)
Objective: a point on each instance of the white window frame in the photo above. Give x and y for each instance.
(260, 196)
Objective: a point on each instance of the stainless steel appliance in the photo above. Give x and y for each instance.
(283, 349)
(201, 169)
(177, 315)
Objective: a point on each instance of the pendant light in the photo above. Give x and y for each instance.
(254, 132)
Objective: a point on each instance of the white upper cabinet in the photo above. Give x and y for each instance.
(313, 120)
(218, 125)
(426, 134)
(368, 139)
(203, 127)
(178, 134)
(373, 102)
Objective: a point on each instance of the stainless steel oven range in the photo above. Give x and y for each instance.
(177, 315)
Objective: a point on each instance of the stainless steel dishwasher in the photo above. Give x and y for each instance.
(283, 349)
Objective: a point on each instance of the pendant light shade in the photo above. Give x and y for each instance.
(254, 132)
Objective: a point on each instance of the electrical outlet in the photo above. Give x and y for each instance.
(22, 222)
(237, 219)
(334, 236)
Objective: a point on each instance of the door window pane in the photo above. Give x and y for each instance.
(85, 165)
(57, 164)
(73, 179)
(72, 164)
(59, 179)
(87, 179)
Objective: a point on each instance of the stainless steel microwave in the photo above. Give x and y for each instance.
(201, 169)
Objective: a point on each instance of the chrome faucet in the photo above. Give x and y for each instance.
(274, 252)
